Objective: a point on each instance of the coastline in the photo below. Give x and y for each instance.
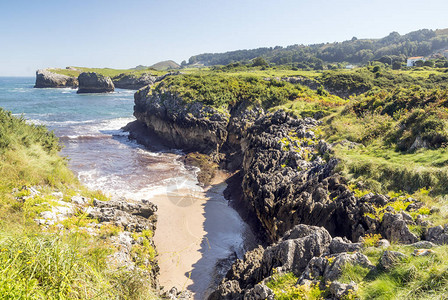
(196, 231)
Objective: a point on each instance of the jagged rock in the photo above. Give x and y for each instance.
(190, 126)
(339, 245)
(143, 208)
(291, 254)
(376, 199)
(286, 189)
(423, 244)
(394, 228)
(133, 82)
(341, 290)
(389, 259)
(330, 268)
(228, 290)
(259, 292)
(437, 235)
(91, 82)
(130, 216)
(47, 79)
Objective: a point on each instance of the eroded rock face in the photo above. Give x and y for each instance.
(291, 254)
(131, 216)
(189, 126)
(47, 79)
(91, 82)
(288, 183)
(330, 268)
(132, 82)
(395, 229)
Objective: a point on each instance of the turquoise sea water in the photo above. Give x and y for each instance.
(100, 153)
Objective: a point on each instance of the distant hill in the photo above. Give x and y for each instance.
(394, 47)
(165, 65)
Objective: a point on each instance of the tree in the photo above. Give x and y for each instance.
(259, 62)
(396, 65)
(429, 63)
(419, 63)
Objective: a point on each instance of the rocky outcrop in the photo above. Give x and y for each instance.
(47, 79)
(136, 82)
(91, 82)
(133, 82)
(437, 235)
(189, 126)
(287, 174)
(291, 254)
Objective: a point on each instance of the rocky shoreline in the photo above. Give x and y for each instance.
(289, 183)
(92, 82)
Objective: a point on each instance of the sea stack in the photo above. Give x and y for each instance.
(47, 79)
(91, 82)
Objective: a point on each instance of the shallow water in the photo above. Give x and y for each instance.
(103, 157)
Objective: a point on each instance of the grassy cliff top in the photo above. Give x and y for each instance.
(222, 90)
(75, 71)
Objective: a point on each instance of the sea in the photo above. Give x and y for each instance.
(101, 154)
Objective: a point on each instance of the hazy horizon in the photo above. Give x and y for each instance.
(123, 35)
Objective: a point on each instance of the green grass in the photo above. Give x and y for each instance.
(223, 90)
(424, 277)
(38, 264)
(105, 71)
(284, 288)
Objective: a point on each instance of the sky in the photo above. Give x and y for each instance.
(123, 34)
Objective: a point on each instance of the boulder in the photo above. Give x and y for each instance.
(389, 259)
(395, 229)
(259, 292)
(342, 290)
(130, 216)
(91, 82)
(437, 235)
(291, 254)
(330, 268)
(47, 79)
(339, 245)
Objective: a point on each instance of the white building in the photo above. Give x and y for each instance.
(413, 60)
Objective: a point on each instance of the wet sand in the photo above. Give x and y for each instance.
(195, 230)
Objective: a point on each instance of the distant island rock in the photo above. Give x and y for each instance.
(91, 82)
(47, 79)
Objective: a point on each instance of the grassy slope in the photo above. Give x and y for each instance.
(75, 71)
(380, 127)
(37, 264)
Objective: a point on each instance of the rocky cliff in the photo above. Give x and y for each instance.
(91, 82)
(288, 175)
(47, 79)
(133, 82)
(288, 179)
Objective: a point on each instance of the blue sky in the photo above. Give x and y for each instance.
(122, 34)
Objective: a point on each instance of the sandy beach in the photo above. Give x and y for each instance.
(194, 231)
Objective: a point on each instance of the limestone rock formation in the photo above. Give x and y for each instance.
(291, 254)
(133, 82)
(190, 126)
(47, 79)
(91, 82)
